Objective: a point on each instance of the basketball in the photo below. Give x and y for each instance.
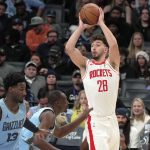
(89, 14)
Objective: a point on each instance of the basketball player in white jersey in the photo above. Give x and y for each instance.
(13, 112)
(45, 119)
(100, 78)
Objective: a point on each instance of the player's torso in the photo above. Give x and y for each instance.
(101, 87)
(10, 126)
(35, 119)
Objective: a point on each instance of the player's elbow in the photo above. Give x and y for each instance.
(114, 46)
(68, 48)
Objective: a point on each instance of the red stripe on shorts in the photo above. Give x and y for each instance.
(92, 146)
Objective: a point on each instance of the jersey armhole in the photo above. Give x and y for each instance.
(45, 111)
(87, 62)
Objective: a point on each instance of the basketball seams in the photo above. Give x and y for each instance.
(87, 18)
(89, 14)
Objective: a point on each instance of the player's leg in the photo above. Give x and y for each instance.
(98, 134)
(115, 136)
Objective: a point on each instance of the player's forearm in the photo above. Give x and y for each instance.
(73, 39)
(111, 40)
(44, 145)
(30, 126)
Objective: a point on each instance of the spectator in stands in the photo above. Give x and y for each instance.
(22, 13)
(42, 102)
(2, 89)
(115, 29)
(137, 9)
(126, 71)
(56, 61)
(51, 81)
(136, 45)
(124, 5)
(142, 69)
(77, 86)
(125, 29)
(18, 25)
(39, 5)
(4, 67)
(50, 19)
(139, 118)
(123, 117)
(15, 51)
(34, 81)
(4, 22)
(52, 39)
(79, 106)
(40, 66)
(36, 35)
(143, 24)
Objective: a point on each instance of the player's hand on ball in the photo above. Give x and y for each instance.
(82, 25)
(86, 112)
(101, 16)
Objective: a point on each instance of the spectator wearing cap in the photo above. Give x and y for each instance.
(123, 117)
(50, 18)
(5, 22)
(142, 69)
(17, 24)
(56, 61)
(36, 35)
(34, 81)
(77, 86)
(5, 68)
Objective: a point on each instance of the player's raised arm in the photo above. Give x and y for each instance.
(74, 54)
(114, 56)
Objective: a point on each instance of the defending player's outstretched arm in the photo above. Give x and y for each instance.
(66, 129)
(48, 120)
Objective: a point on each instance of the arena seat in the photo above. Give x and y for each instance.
(132, 84)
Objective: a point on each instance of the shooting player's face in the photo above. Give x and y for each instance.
(98, 49)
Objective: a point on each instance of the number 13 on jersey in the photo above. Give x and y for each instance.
(103, 86)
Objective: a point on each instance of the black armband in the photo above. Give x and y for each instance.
(30, 126)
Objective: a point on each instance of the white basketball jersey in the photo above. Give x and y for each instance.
(35, 119)
(10, 126)
(101, 83)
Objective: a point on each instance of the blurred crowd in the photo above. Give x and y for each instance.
(33, 33)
